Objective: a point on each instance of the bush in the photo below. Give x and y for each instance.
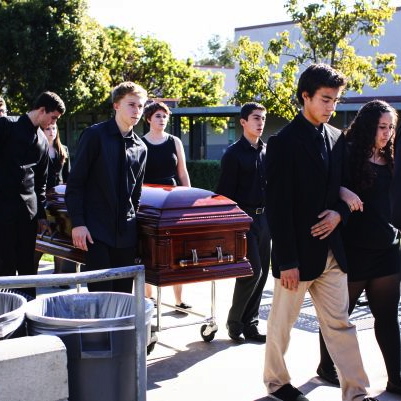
(204, 173)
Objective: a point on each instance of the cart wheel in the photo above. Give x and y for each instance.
(152, 342)
(207, 334)
(150, 348)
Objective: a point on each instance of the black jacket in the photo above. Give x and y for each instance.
(94, 195)
(24, 158)
(57, 172)
(298, 189)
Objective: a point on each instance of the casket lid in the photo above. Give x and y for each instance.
(179, 205)
(55, 196)
(172, 197)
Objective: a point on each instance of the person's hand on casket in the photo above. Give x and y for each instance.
(80, 235)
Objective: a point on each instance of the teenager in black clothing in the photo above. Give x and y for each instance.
(165, 165)
(104, 188)
(371, 241)
(24, 159)
(243, 180)
(59, 168)
(59, 160)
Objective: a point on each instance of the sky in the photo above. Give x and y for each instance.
(187, 25)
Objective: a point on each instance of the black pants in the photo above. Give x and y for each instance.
(383, 294)
(17, 248)
(102, 256)
(244, 311)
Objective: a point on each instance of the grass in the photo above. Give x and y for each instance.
(47, 258)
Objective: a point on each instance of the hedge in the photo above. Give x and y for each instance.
(204, 173)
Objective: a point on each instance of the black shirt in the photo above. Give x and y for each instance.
(24, 158)
(243, 177)
(105, 183)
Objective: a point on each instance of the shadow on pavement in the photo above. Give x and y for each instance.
(170, 367)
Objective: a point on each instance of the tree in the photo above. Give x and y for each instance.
(150, 62)
(220, 54)
(327, 31)
(52, 45)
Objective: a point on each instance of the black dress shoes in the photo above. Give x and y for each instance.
(328, 375)
(393, 388)
(289, 393)
(236, 337)
(255, 336)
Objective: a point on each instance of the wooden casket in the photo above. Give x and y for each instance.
(190, 234)
(59, 243)
(186, 235)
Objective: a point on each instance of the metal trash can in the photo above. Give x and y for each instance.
(98, 330)
(12, 313)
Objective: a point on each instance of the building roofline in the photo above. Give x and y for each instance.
(245, 28)
(289, 22)
(213, 111)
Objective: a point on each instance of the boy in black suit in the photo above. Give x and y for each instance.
(104, 187)
(304, 173)
(24, 158)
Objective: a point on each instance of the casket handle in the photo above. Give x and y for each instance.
(219, 254)
(208, 260)
(195, 259)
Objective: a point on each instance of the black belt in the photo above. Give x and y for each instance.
(253, 210)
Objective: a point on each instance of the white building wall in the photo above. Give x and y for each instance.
(389, 43)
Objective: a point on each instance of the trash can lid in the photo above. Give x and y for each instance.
(85, 312)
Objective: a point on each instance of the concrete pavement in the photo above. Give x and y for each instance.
(184, 367)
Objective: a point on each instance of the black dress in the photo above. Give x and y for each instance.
(58, 173)
(371, 241)
(161, 163)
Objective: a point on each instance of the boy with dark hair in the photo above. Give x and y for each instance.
(104, 187)
(24, 157)
(243, 180)
(50, 101)
(304, 173)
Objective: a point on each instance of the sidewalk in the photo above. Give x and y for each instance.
(184, 367)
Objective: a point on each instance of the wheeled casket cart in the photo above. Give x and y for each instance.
(187, 235)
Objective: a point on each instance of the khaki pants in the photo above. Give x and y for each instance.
(330, 297)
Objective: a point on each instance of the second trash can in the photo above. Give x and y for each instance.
(12, 313)
(98, 330)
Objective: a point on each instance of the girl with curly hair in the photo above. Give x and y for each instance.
(371, 241)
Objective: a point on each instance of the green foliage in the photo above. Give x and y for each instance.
(220, 54)
(204, 173)
(47, 258)
(150, 62)
(52, 45)
(327, 31)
